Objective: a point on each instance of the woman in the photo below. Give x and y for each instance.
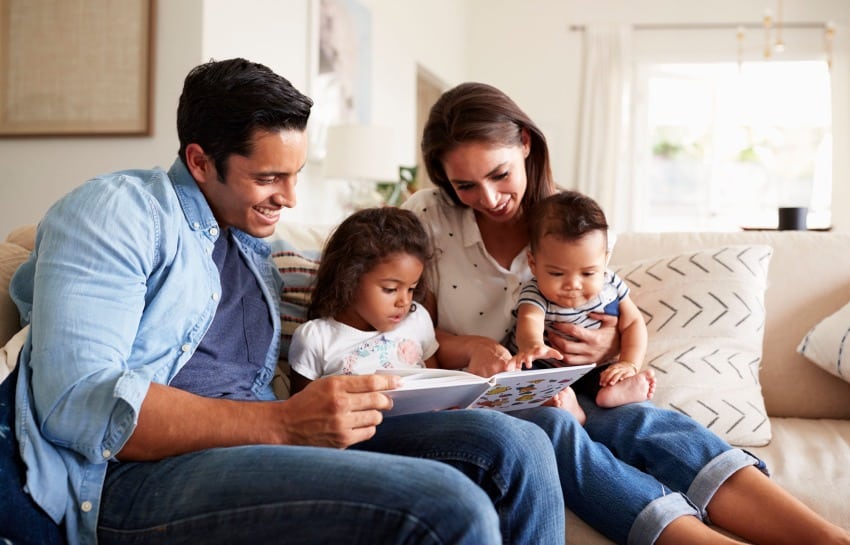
(636, 473)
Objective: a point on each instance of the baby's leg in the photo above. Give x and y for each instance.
(640, 387)
(566, 399)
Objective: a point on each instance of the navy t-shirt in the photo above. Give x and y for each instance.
(234, 348)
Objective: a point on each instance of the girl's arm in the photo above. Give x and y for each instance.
(297, 381)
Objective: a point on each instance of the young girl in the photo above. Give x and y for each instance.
(363, 316)
(568, 256)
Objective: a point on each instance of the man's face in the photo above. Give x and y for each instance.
(257, 187)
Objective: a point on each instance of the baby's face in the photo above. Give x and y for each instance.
(569, 273)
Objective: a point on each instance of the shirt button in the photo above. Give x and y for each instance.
(213, 231)
(107, 453)
(195, 225)
(215, 297)
(186, 347)
(86, 506)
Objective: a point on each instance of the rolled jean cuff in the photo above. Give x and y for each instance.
(660, 512)
(716, 472)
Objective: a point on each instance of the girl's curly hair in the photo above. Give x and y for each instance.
(362, 241)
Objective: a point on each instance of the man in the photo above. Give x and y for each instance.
(144, 410)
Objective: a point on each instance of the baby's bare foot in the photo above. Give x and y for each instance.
(640, 387)
(566, 399)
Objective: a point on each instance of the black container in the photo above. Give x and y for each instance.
(793, 218)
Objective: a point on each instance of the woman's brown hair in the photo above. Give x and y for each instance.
(477, 112)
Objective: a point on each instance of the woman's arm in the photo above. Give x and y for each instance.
(479, 355)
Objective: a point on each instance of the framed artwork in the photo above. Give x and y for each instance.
(76, 68)
(341, 71)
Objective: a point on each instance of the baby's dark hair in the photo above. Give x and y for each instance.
(568, 215)
(361, 242)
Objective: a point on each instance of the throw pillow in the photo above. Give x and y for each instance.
(298, 270)
(827, 344)
(705, 316)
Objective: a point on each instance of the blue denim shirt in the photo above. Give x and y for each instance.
(119, 291)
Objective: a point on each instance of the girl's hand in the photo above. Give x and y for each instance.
(592, 345)
(616, 372)
(524, 358)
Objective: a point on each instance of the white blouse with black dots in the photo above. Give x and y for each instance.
(475, 295)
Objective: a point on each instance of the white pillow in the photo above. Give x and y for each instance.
(827, 344)
(705, 317)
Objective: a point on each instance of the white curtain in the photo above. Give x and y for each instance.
(604, 153)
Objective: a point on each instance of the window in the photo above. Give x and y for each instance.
(723, 145)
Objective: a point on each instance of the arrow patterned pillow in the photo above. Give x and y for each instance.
(705, 316)
(828, 344)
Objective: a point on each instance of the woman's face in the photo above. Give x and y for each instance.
(489, 179)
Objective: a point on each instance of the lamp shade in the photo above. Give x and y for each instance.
(361, 152)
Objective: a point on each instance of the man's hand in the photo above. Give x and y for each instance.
(592, 345)
(336, 411)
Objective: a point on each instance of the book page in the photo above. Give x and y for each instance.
(516, 390)
(438, 397)
(419, 378)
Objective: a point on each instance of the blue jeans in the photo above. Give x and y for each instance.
(477, 460)
(634, 469)
(22, 522)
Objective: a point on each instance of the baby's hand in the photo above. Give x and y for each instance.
(616, 372)
(524, 358)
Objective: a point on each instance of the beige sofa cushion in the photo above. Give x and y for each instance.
(704, 313)
(809, 278)
(13, 252)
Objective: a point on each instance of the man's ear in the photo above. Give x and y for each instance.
(199, 164)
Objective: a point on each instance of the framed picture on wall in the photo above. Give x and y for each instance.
(76, 68)
(341, 71)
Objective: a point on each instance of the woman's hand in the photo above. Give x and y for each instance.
(487, 357)
(592, 345)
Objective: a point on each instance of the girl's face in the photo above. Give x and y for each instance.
(384, 295)
(570, 273)
(489, 179)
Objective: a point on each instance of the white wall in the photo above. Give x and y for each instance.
(37, 171)
(528, 49)
(522, 46)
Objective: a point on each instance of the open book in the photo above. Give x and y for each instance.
(438, 389)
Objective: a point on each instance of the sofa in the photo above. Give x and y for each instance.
(774, 290)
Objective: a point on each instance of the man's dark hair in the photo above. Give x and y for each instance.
(224, 102)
